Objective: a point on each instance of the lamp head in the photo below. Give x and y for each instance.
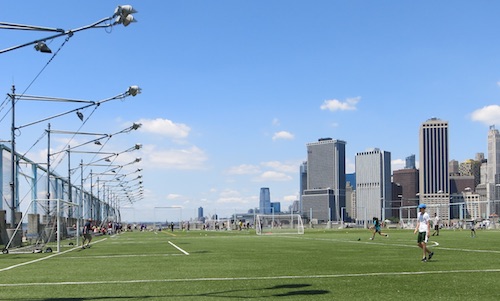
(123, 14)
(80, 115)
(134, 90)
(42, 47)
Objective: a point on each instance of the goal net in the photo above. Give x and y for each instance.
(44, 226)
(278, 224)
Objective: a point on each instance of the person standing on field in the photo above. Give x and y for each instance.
(436, 225)
(423, 228)
(87, 233)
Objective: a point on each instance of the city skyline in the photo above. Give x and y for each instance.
(232, 92)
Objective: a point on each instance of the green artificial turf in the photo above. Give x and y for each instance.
(239, 265)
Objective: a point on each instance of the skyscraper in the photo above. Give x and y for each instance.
(200, 214)
(434, 176)
(373, 184)
(410, 162)
(493, 167)
(408, 180)
(326, 180)
(303, 183)
(265, 201)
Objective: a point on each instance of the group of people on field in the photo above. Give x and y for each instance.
(422, 230)
(89, 229)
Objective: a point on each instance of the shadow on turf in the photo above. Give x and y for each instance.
(294, 290)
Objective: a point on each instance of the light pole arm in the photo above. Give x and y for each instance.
(15, 26)
(132, 91)
(123, 15)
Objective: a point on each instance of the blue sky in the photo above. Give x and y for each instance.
(233, 90)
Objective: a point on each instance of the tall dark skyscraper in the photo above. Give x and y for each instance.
(200, 213)
(326, 180)
(434, 175)
(303, 183)
(265, 201)
(410, 162)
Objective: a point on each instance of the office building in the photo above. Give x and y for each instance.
(471, 168)
(324, 197)
(408, 179)
(373, 184)
(434, 173)
(200, 214)
(410, 162)
(265, 201)
(493, 171)
(303, 183)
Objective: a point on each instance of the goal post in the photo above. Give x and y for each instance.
(45, 227)
(278, 224)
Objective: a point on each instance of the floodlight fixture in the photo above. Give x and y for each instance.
(42, 47)
(122, 15)
(80, 115)
(134, 90)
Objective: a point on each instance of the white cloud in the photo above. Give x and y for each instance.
(290, 198)
(243, 169)
(272, 176)
(173, 196)
(231, 196)
(164, 127)
(398, 164)
(283, 135)
(488, 115)
(337, 105)
(186, 159)
(350, 166)
(282, 167)
(276, 122)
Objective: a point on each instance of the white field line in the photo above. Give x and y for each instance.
(248, 278)
(43, 258)
(430, 244)
(173, 245)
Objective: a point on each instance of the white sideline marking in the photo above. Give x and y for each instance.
(371, 242)
(248, 278)
(43, 258)
(173, 245)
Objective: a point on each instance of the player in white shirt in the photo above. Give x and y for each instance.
(423, 228)
(436, 225)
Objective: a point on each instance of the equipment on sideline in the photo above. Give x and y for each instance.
(278, 224)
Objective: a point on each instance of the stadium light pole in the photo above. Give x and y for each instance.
(113, 167)
(70, 150)
(131, 91)
(123, 15)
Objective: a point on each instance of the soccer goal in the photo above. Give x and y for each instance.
(50, 222)
(278, 224)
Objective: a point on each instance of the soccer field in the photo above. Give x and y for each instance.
(239, 265)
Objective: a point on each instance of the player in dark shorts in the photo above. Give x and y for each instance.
(87, 233)
(376, 228)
